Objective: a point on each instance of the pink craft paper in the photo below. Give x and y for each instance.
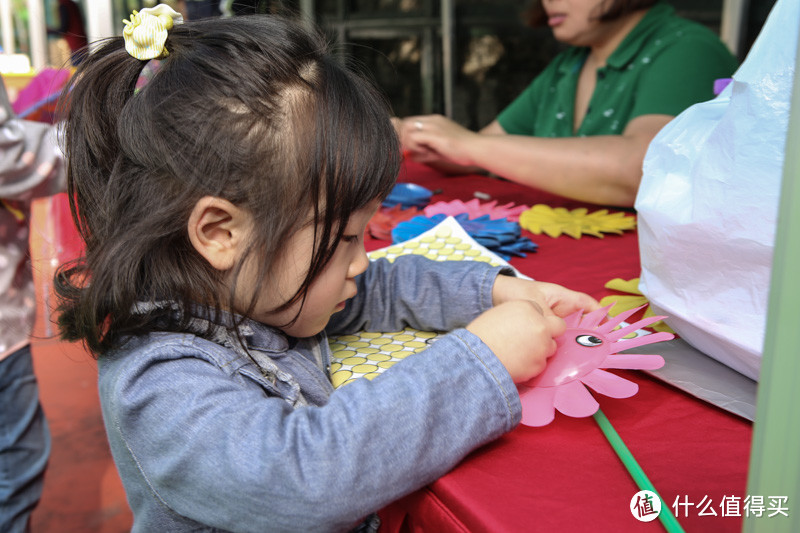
(475, 209)
(587, 347)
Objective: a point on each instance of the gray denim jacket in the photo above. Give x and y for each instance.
(206, 440)
(31, 165)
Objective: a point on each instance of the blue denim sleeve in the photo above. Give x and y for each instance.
(212, 448)
(417, 292)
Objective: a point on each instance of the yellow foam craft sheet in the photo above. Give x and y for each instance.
(631, 298)
(576, 222)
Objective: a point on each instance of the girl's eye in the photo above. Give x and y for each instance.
(350, 238)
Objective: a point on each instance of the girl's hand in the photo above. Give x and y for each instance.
(520, 335)
(552, 298)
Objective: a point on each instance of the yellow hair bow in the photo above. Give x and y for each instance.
(146, 32)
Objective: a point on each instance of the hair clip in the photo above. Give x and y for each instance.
(146, 32)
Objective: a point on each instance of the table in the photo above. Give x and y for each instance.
(565, 476)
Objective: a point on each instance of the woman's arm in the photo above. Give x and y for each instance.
(603, 169)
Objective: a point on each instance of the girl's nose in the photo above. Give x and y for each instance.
(359, 263)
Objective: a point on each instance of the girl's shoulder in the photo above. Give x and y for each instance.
(147, 350)
(150, 366)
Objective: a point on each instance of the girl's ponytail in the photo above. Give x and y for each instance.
(91, 105)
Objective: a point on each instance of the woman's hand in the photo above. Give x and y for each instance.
(434, 138)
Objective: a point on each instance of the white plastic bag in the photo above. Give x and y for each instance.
(708, 203)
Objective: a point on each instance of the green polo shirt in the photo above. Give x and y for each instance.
(663, 66)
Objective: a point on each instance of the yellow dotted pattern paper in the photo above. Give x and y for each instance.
(367, 354)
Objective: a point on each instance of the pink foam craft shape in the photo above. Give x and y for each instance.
(588, 346)
(474, 209)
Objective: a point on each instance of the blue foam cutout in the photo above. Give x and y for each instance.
(501, 236)
(408, 195)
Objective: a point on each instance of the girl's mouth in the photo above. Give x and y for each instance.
(341, 305)
(555, 20)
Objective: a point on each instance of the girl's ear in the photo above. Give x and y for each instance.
(219, 231)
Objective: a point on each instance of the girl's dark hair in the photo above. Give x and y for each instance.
(535, 15)
(251, 109)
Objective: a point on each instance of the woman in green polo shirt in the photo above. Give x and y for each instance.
(582, 127)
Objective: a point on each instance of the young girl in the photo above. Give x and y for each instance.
(223, 207)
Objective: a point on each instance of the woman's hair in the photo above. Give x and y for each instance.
(535, 15)
(250, 109)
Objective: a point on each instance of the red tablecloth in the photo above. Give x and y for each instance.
(565, 476)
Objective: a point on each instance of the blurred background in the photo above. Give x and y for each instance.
(462, 58)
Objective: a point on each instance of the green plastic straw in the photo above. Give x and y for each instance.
(667, 518)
